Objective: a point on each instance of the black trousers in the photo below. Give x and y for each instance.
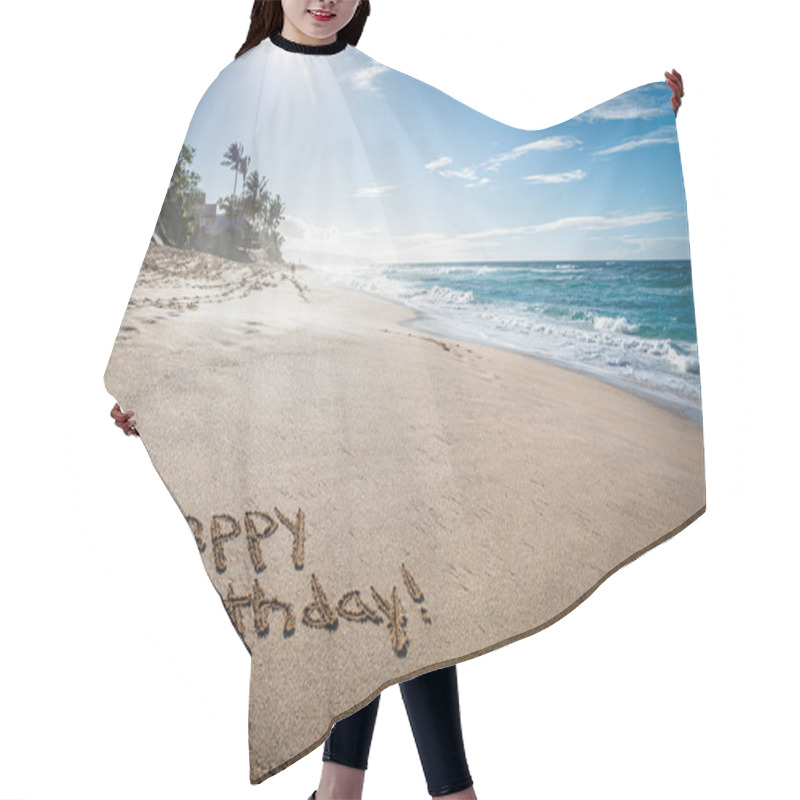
(431, 701)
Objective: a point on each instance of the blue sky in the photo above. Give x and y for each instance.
(375, 165)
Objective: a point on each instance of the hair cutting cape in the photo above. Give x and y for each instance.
(418, 381)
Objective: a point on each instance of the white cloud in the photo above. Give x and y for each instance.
(480, 182)
(548, 143)
(466, 173)
(492, 164)
(666, 134)
(585, 223)
(557, 177)
(439, 162)
(649, 241)
(364, 79)
(636, 104)
(330, 244)
(374, 191)
(297, 229)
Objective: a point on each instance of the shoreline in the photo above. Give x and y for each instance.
(413, 319)
(421, 321)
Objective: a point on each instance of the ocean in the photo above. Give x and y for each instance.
(630, 323)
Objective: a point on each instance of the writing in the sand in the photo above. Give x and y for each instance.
(321, 611)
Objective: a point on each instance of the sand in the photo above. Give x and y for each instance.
(372, 502)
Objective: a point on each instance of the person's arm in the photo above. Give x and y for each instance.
(675, 82)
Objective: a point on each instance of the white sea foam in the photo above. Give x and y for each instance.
(606, 346)
(614, 324)
(440, 296)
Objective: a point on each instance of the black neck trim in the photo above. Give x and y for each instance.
(308, 49)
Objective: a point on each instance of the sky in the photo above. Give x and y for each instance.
(376, 166)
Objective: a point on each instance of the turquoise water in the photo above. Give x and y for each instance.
(629, 322)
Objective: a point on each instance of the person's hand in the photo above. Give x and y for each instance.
(123, 420)
(675, 82)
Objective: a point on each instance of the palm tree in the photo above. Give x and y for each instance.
(254, 199)
(244, 165)
(233, 158)
(273, 217)
(262, 212)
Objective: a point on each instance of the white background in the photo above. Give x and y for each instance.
(120, 674)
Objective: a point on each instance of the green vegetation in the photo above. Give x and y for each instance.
(255, 213)
(175, 223)
(252, 213)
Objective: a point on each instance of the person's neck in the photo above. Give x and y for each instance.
(317, 49)
(294, 34)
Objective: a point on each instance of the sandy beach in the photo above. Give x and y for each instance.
(388, 501)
